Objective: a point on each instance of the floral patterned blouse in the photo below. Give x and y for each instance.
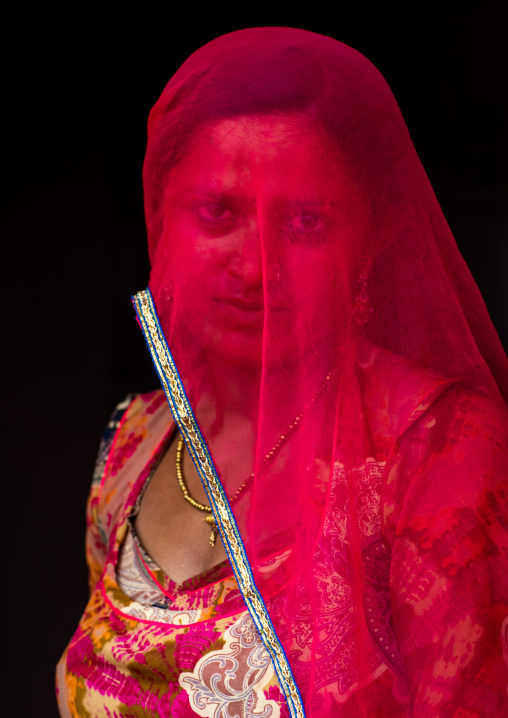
(146, 646)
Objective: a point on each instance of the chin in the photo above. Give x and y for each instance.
(238, 349)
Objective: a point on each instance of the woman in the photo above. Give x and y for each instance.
(310, 517)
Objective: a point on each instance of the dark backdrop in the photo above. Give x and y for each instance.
(77, 98)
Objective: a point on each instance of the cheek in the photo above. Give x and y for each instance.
(315, 290)
(309, 268)
(190, 260)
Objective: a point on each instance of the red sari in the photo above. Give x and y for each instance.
(305, 282)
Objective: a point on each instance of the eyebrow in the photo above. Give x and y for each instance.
(279, 204)
(304, 202)
(216, 194)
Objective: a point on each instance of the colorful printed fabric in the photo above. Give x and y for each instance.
(434, 600)
(193, 649)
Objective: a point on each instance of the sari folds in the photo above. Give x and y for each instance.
(331, 365)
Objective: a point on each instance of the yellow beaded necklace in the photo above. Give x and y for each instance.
(210, 520)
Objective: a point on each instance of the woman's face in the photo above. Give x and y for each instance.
(256, 217)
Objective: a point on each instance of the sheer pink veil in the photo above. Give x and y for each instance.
(316, 304)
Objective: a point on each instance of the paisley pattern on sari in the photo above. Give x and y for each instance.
(318, 337)
(168, 650)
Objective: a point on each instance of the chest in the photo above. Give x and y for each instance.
(172, 531)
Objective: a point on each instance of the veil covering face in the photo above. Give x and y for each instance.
(316, 304)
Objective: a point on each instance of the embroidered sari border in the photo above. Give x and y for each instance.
(224, 518)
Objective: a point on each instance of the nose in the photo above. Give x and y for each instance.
(246, 263)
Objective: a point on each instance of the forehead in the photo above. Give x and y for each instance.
(260, 152)
(265, 137)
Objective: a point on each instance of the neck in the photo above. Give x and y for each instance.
(230, 397)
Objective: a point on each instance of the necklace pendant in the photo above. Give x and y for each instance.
(211, 522)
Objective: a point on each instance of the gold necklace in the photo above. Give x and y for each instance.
(210, 520)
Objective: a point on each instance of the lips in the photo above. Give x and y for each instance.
(243, 304)
(244, 313)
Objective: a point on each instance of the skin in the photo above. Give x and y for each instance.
(256, 209)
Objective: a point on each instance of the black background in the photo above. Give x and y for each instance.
(76, 101)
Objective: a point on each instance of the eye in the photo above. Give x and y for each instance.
(306, 223)
(214, 213)
(307, 228)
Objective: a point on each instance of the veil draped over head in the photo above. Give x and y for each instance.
(315, 304)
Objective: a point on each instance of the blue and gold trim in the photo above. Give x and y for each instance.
(224, 518)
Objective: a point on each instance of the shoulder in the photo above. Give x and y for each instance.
(108, 435)
(460, 421)
(398, 393)
(128, 424)
(452, 460)
(395, 394)
(136, 428)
